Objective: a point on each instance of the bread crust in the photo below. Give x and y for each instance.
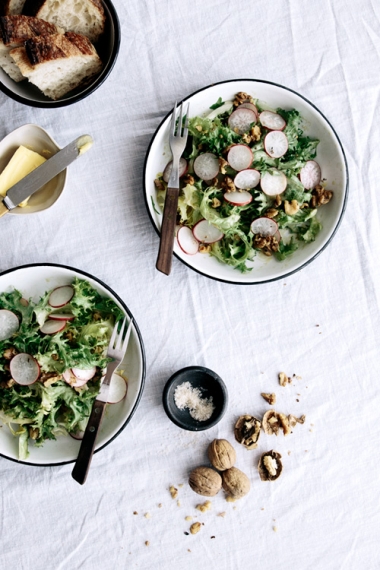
(56, 46)
(32, 7)
(18, 29)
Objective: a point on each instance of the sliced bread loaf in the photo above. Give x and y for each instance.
(11, 7)
(14, 31)
(84, 17)
(58, 63)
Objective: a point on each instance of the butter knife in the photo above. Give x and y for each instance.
(44, 173)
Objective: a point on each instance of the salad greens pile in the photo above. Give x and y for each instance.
(204, 200)
(50, 406)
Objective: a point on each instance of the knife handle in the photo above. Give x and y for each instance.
(165, 252)
(3, 209)
(86, 451)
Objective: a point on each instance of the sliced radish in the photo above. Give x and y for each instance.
(238, 198)
(241, 120)
(118, 389)
(206, 166)
(77, 434)
(187, 241)
(52, 327)
(61, 316)
(9, 324)
(183, 167)
(273, 182)
(276, 144)
(24, 369)
(310, 174)
(205, 232)
(277, 235)
(70, 378)
(240, 157)
(264, 226)
(250, 106)
(60, 296)
(272, 121)
(84, 374)
(247, 179)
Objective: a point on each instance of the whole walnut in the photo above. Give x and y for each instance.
(221, 454)
(235, 483)
(205, 481)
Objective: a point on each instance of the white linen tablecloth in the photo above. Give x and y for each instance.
(325, 506)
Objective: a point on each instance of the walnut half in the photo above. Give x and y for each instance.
(270, 466)
(274, 421)
(247, 431)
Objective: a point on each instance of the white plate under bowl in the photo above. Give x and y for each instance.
(330, 156)
(33, 281)
(37, 139)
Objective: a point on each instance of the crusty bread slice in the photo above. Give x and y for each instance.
(11, 7)
(84, 17)
(58, 63)
(14, 31)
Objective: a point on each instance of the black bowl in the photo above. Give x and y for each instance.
(108, 50)
(209, 383)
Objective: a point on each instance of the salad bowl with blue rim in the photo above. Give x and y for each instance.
(329, 155)
(33, 281)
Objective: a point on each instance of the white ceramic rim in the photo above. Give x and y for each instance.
(236, 278)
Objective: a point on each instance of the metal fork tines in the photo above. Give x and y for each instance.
(116, 350)
(177, 143)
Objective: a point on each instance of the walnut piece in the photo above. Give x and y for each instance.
(320, 196)
(228, 184)
(266, 244)
(270, 398)
(173, 491)
(271, 213)
(293, 421)
(9, 353)
(221, 454)
(283, 379)
(235, 483)
(204, 507)
(270, 466)
(291, 208)
(195, 527)
(188, 179)
(204, 248)
(274, 421)
(215, 203)
(205, 481)
(159, 184)
(256, 133)
(242, 97)
(222, 165)
(247, 431)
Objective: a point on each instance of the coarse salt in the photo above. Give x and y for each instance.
(185, 396)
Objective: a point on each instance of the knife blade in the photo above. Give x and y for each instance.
(44, 173)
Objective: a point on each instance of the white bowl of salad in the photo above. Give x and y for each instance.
(264, 182)
(55, 325)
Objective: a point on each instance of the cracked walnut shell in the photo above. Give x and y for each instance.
(270, 466)
(235, 483)
(205, 481)
(247, 431)
(221, 454)
(274, 421)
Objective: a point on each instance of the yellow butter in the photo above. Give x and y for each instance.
(21, 164)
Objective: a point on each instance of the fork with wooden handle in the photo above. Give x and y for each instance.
(177, 143)
(116, 350)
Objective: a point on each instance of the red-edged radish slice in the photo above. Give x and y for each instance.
(240, 157)
(241, 120)
(183, 167)
(238, 198)
(273, 182)
(52, 327)
(310, 174)
(24, 369)
(84, 374)
(206, 166)
(9, 324)
(277, 235)
(61, 316)
(250, 106)
(205, 232)
(276, 144)
(272, 121)
(187, 241)
(70, 378)
(247, 179)
(60, 296)
(264, 226)
(118, 389)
